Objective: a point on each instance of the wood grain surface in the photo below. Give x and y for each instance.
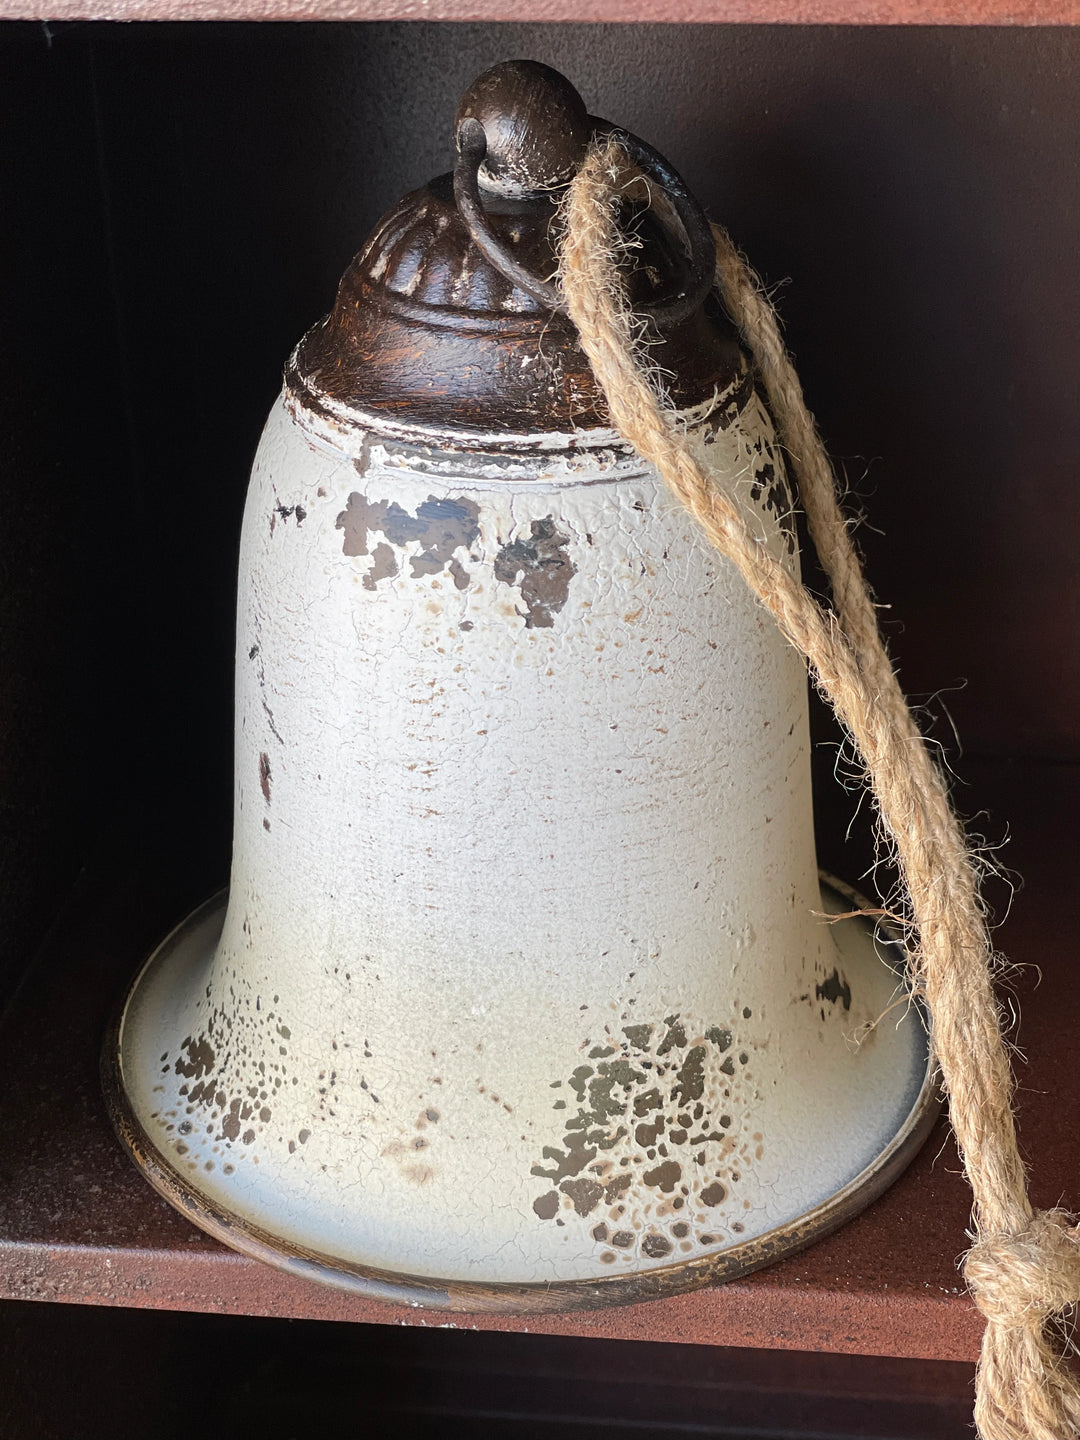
(781, 12)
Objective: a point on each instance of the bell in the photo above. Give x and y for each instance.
(524, 994)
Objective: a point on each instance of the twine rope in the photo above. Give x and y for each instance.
(1024, 1267)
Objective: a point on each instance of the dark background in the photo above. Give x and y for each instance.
(177, 202)
(71, 1373)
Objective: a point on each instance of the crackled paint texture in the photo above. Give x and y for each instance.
(520, 978)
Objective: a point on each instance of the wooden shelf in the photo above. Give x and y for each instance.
(779, 12)
(78, 1224)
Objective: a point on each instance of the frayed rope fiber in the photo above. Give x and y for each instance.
(1024, 1268)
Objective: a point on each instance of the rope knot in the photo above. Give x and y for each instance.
(1019, 1281)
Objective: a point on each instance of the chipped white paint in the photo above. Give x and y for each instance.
(520, 978)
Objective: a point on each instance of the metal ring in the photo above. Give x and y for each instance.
(694, 285)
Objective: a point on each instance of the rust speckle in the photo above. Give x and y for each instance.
(641, 1094)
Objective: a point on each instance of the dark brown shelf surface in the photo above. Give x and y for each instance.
(78, 1224)
(783, 12)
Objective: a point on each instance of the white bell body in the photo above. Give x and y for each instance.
(522, 978)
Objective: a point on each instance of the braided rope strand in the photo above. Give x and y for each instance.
(1024, 1269)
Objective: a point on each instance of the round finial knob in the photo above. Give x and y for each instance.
(535, 125)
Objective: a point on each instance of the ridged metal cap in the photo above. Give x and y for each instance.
(427, 331)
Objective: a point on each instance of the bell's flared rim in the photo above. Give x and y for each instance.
(494, 1297)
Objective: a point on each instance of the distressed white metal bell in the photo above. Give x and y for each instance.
(522, 995)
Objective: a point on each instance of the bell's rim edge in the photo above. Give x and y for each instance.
(493, 1297)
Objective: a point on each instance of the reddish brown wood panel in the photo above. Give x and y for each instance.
(781, 12)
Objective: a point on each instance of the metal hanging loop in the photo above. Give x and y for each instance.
(694, 284)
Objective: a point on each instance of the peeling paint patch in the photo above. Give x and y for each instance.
(439, 527)
(769, 487)
(384, 565)
(542, 571)
(833, 989)
(200, 1058)
(585, 1194)
(547, 1206)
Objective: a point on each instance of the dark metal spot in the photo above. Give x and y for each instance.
(638, 1035)
(665, 1177)
(547, 1205)
(833, 989)
(585, 1194)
